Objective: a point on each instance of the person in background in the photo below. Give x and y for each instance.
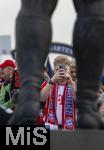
(73, 70)
(101, 105)
(7, 112)
(1, 78)
(101, 109)
(59, 94)
(8, 67)
(101, 100)
(15, 86)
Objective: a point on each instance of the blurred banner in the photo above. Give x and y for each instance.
(62, 49)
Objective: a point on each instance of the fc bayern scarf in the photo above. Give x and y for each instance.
(68, 108)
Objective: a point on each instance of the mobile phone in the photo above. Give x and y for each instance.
(62, 66)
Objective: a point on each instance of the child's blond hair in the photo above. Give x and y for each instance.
(61, 59)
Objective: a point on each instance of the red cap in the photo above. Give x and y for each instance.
(8, 63)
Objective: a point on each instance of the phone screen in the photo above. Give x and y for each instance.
(62, 66)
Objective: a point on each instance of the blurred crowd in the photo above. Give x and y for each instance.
(58, 93)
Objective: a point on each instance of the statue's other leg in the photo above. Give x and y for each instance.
(89, 53)
(33, 39)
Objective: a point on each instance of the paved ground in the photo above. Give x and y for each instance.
(78, 140)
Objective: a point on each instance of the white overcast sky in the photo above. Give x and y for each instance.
(63, 20)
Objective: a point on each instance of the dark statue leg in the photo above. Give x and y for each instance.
(33, 39)
(89, 53)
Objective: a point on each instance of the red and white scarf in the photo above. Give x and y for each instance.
(68, 108)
